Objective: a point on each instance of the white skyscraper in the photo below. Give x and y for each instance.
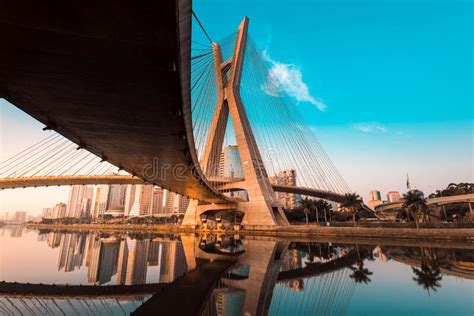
(101, 200)
(80, 201)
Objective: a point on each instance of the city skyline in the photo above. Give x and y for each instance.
(380, 98)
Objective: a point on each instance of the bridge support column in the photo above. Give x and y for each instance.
(262, 207)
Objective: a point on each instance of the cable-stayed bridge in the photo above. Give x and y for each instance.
(125, 83)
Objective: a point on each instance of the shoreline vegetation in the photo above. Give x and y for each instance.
(432, 234)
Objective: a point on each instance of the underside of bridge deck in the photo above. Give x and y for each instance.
(112, 76)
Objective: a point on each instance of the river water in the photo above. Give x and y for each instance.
(269, 276)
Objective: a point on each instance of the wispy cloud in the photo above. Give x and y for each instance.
(288, 78)
(372, 127)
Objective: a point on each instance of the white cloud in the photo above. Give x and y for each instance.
(288, 78)
(369, 128)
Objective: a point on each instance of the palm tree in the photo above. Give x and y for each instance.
(428, 276)
(360, 274)
(351, 202)
(324, 206)
(307, 205)
(415, 203)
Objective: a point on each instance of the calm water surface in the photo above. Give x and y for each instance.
(274, 277)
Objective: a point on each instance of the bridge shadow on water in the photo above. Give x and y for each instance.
(212, 274)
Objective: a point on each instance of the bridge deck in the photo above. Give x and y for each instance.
(187, 294)
(112, 76)
(61, 290)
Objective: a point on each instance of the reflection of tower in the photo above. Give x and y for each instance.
(291, 261)
(103, 264)
(54, 239)
(154, 253)
(132, 261)
(227, 301)
(173, 261)
(71, 253)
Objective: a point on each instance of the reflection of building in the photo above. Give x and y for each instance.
(71, 252)
(379, 254)
(173, 261)
(103, 259)
(154, 253)
(132, 261)
(230, 164)
(80, 201)
(227, 301)
(293, 260)
(393, 196)
(54, 239)
(285, 177)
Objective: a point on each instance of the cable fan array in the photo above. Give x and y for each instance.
(283, 139)
(55, 156)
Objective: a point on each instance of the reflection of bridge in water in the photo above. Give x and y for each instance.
(258, 266)
(254, 275)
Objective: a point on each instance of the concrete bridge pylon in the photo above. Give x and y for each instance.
(262, 207)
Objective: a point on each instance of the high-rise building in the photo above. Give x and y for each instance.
(393, 196)
(285, 177)
(20, 216)
(59, 211)
(47, 212)
(158, 195)
(375, 199)
(375, 195)
(230, 164)
(116, 200)
(101, 200)
(175, 203)
(129, 199)
(80, 201)
(143, 200)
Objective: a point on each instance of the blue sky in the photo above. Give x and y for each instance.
(395, 77)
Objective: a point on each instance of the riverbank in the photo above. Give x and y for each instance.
(455, 234)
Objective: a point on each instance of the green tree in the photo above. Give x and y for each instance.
(307, 205)
(415, 203)
(325, 207)
(351, 202)
(359, 273)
